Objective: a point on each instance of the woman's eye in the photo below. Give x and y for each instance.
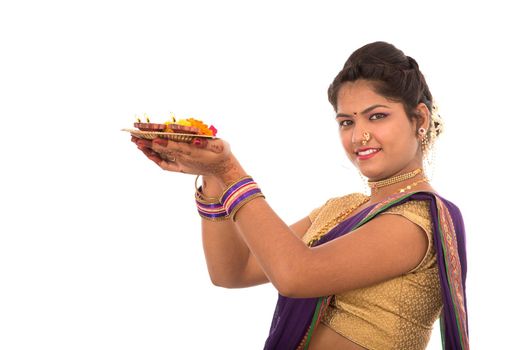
(346, 122)
(377, 116)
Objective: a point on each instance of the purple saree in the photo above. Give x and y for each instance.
(294, 319)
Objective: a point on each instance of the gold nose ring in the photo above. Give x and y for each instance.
(366, 137)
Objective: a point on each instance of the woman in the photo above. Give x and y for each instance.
(361, 272)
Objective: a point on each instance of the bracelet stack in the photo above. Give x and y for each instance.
(233, 198)
(209, 210)
(238, 194)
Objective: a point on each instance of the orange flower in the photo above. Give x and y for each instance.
(202, 127)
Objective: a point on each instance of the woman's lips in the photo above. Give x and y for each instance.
(367, 153)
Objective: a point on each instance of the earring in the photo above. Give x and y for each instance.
(367, 136)
(424, 140)
(365, 186)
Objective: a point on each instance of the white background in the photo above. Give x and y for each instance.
(100, 249)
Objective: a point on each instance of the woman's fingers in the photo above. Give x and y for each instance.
(172, 166)
(165, 158)
(152, 155)
(145, 147)
(201, 156)
(160, 145)
(167, 146)
(199, 142)
(164, 161)
(216, 146)
(144, 143)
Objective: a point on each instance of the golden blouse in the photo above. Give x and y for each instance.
(395, 314)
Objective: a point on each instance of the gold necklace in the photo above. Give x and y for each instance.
(409, 187)
(375, 185)
(346, 213)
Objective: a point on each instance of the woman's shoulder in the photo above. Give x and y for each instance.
(417, 207)
(416, 211)
(335, 205)
(440, 201)
(419, 199)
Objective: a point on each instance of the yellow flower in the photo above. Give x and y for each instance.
(183, 122)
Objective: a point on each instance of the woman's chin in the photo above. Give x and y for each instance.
(371, 174)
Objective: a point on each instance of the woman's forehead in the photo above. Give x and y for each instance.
(357, 96)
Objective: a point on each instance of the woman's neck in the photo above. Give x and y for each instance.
(405, 182)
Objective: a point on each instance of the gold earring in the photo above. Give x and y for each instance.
(367, 136)
(424, 140)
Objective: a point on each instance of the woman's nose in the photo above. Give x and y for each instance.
(360, 135)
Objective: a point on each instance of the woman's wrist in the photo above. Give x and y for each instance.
(224, 206)
(214, 185)
(211, 187)
(239, 193)
(233, 173)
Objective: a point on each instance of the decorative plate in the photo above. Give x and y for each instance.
(150, 135)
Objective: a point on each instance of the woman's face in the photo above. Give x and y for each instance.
(393, 147)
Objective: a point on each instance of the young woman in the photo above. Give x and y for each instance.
(363, 271)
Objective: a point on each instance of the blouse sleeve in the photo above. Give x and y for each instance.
(332, 208)
(418, 213)
(314, 213)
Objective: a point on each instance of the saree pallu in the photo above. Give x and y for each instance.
(295, 319)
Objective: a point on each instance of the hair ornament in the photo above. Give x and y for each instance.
(436, 126)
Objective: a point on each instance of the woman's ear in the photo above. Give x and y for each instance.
(423, 116)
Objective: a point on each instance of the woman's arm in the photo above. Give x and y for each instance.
(229, 261)
(383, 248)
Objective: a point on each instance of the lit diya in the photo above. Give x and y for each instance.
(183, 126)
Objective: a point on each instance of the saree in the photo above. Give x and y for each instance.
(295, 319)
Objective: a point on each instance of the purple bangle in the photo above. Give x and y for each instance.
(234, 187)
(213, 211)
(238, 194)
(239, 204)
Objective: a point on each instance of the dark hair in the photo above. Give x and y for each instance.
(393, 75)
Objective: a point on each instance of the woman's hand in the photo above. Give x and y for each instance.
(201, 157)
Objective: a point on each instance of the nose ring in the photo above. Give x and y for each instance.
(366, 137)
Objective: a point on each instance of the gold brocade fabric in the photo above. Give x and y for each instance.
(395, 314)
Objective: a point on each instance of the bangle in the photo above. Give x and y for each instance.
(211, 211)
(209, 208)
(238, 194)
(198, 190)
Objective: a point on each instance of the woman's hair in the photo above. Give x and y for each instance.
(393, 75)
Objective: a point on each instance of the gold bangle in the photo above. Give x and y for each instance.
(199, 194)
(223, 218)
(244, 202)
(231, 185)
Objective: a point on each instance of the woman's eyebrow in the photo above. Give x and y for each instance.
(368, 109)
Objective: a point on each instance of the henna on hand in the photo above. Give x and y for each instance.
(202, 156)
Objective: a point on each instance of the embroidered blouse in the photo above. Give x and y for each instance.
(395, 314)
